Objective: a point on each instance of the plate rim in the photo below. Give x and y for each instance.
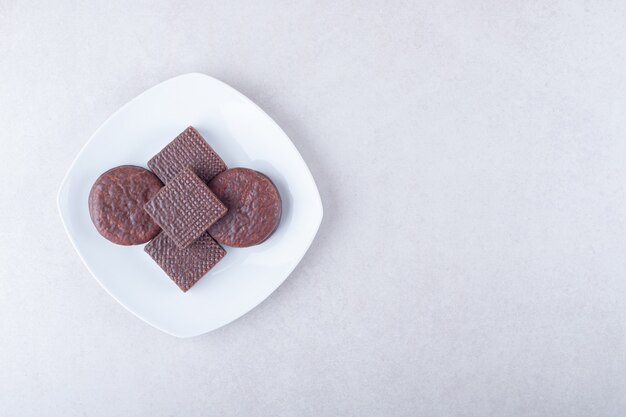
(66, 177)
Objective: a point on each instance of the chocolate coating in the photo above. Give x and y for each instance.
(187, 150)
(185, 208)
(254, 207)
(116, 203)
(185, 266)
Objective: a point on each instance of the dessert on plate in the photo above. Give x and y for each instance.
(186, 205)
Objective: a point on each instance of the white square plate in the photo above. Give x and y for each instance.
(244, 136)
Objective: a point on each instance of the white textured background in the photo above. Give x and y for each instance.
(471, 157)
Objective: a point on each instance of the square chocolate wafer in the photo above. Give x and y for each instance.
(187, 150)
(185, 266)
(185, 208)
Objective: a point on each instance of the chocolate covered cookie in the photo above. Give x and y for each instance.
(187, 150)
(185, 208)
(254, 207)
(116, 205)
(185, 266)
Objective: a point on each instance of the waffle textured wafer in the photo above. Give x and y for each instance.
(187, 150)
(185, 266)
(185, 208)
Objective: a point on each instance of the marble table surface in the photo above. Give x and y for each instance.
(471, 158)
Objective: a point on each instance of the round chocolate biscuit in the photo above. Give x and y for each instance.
(254, 207)
(116, 205)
